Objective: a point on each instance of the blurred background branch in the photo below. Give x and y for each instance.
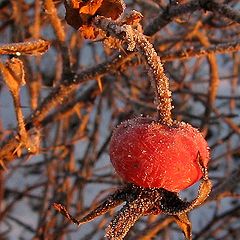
(76, 91)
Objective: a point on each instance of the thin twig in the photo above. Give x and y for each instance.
(222, 48)
(56, 23)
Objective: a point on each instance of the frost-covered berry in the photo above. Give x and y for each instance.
(150, 154)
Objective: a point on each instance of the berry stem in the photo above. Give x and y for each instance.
(136, 40)
(159, 80)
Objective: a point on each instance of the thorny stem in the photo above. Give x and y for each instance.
(159, 80)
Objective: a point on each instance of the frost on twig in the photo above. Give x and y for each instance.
(34, 47)
(137, 41)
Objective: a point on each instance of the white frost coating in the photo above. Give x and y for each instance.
(159, 80)
(129, 37)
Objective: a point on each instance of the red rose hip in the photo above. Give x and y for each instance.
(150, 154)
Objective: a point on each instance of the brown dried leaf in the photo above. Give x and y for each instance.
(205, 186)
(16, 67)
(90, 7)
(14, 77)
(13, 74)
(88, 32)
(184, 223)
(60, 208)
(72, 16)
(79, 14)
(203, 192)
(117, 7)
(73, 3)
(35, 47)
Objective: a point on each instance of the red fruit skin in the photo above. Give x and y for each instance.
(149, 154)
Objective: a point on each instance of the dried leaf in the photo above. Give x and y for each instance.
(90, 7)
(35, 47)
(79, 14)
(13, 74)
(88, 32)
(16, 67)
(73, 3)
(117, 7)
(60, 208)
(184, 223)
(205, 186)
(203, 192)
(72, 16)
